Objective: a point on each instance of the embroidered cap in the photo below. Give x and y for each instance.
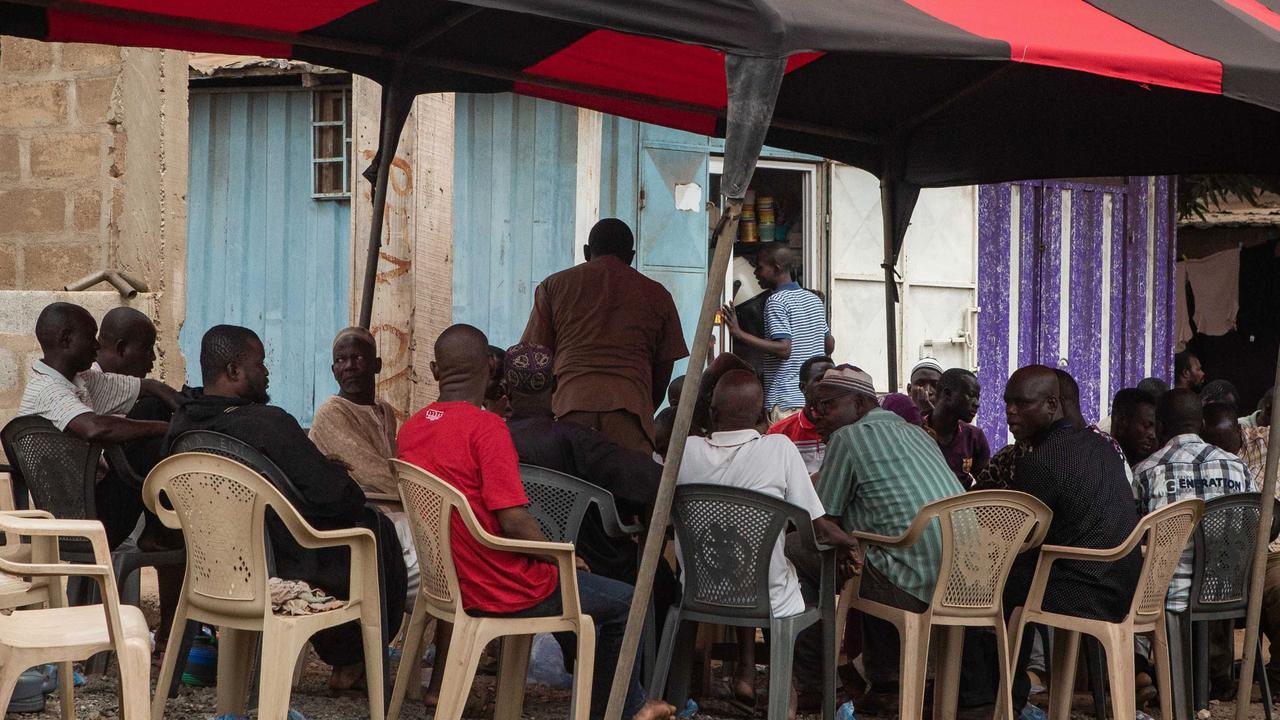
(527, 368)
(848, 377)
(925, 364)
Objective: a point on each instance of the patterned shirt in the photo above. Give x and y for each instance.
(998, 474)
(802, 432)
(877, 475)
(1254, 454)
(1187, 467)
(52, 396)
(794, 314)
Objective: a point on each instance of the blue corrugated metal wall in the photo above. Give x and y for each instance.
(513, 213)
(260, 251)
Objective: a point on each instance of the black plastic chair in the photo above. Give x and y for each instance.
(1223, 547)
(60, 471)
(726, 539)
(216, 443)
(560, 502)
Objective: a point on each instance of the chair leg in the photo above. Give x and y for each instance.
(1004, 690)
(1062, 682)
(1160, 642)
(1178, 629)
(649, 645)
(189, 630)
(830, 656)
(513, 668)
(167, 674)
(584, 668)
(67, 691)
(1097, 667)
(913, 632)
(1264, 684)
(782, 643)
(280, 648)
(1200, 671)
(375, 656)
(9, 673)
(236, 650)
(1118, 645)
(465, 646)
(134, 660)
(946, 686)
(410, 658)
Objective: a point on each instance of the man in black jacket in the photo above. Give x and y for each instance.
(234, 402)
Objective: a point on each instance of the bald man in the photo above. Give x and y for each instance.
(455, 439)
(1081, 478)
(736, 455)
(795, 330)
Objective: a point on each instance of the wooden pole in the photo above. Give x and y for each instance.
(395, 111)
(889, 217)
(1257, 580)
(726, 231)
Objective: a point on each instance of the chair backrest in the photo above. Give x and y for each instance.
(1224, 543)
(221, 506)
(726, 537)
(1167, 532)
(982, 533)
(216, 443)
(559, 502)
(429, 502)
(57, 468)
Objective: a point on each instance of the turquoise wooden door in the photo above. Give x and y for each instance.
(671, 228)
(261, 252)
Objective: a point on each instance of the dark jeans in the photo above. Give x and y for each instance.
(607, 602)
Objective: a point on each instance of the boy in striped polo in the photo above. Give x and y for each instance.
(796, 329)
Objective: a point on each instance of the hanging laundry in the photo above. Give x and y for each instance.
(1181, 311)
(1215, 281)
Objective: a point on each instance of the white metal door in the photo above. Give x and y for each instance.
(937, 287)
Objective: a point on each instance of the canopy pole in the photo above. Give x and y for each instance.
(396, 104)
(1259, 571)
(889, 216)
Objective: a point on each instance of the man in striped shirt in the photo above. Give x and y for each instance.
(796, 329)
(64, 387)
(878, 472)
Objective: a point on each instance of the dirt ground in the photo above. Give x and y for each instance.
(97, 699)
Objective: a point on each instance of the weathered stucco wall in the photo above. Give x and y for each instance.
(93, 175)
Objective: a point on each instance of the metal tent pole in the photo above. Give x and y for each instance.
(1257, 580)
(396, 103)
(889, 216)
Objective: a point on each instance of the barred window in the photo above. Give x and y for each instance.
(331, 144)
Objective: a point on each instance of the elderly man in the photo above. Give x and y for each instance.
(615, 334)
(737, 455)
(799, 427)
(963, 444)
(922, 384)
(795, 330)
(1081, 477)
(354, 426)
(471, 449)
(878, 472)
(234, 401)
(66, 388)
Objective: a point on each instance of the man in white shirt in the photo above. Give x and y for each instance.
(736, 455)
(66, 389)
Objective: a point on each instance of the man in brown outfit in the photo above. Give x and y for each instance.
(615, 336)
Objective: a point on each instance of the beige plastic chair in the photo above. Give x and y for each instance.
(982, 532)
(61, 634)
(1166, 532)
(430, 503)
(221, 507)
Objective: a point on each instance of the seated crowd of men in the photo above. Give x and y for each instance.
(578, 395)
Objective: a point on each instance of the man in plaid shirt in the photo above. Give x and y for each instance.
(1186, 467)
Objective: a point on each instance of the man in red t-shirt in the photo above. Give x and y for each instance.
(471, 449)
(799, 427)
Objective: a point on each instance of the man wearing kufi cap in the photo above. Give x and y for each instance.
(922, 384)
(878, 472)
(355, 426)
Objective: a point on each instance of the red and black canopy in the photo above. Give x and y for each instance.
(935, 92)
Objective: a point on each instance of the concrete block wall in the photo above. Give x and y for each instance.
(93, 175)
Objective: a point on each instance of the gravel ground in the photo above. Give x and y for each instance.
(97, 699)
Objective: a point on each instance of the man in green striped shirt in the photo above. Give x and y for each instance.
(878, 472)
